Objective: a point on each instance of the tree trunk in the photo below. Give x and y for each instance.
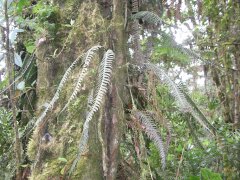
(96, 22)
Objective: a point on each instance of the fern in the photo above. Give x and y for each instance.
(177, 94)
(192, 126)
(183, 101)
(102, 87)
(153, 18)
(171, 42)
(197, 113)
(147, 16)
(153, 134)
(135, 6)
(87, 59)
(63, 81)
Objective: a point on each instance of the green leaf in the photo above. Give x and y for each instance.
(24, 165)
(62, 159)
(179, 148)
(194, 178)
(30, 48)
(18, 60)
(207, 174)
(21, 4)
(13, 34)
(21, 86)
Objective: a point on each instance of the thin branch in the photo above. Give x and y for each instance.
(10, 69)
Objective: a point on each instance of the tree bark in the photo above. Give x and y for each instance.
(97, 22)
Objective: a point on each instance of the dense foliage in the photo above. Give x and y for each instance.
(178, 113)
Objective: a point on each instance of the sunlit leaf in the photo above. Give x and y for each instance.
(18, 60)
(62, 159)
(13, 34)
(21, 86)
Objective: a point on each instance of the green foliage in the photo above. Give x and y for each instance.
(47, 18)
(6, 131)
(164, 51)
(192, 152)
(207, 174)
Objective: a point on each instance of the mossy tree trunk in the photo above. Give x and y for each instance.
(96, 22)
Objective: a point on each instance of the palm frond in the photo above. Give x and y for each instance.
(153, 134)
(102, 87)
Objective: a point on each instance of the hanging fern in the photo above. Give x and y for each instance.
(177, 94)
(153, 18)
(135, 6)
(197, 113)
(153, 134)
(192, 126)
(102, 87)
(173, 44)
(184, 102)
(87, 58)
(147, 16)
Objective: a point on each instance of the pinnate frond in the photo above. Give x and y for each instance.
(148, 16)
(184, 102)
(59, 89)
(153, 134)
(102, 87)
(169, 40)
(177, 94)
(87, 59)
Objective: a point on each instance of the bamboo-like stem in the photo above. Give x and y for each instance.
(10, 70)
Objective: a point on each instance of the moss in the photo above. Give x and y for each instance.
(66, 128)
(32, 149)
(51, 169)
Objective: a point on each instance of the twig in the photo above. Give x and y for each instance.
(180, 162)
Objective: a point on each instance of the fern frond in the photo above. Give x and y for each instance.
(102, 87)
(135, 6)
(87, 59)
(147, 16)
(192, 127)
(90, 99)
(59, 89)
(167, 125)
(183, 101)
(177, 94)
(171, 42)
(197, 114)
(152, 132)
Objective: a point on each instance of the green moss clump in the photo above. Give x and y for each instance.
(32, 149)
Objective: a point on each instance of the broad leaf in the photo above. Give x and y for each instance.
(13, 34)
(18, 60)
(21, 86)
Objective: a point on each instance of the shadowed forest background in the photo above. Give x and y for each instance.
(110, 89)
